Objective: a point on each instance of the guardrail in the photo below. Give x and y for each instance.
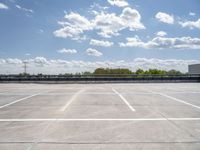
(101, 78)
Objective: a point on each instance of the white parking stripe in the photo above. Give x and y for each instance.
(71, 100)
(125, 101)
(6, 105)
(108, 119)
(178, 100)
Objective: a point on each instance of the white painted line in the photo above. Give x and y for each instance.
(108, 119)
(2, 93)
(85, 93)
(178, 100)
(16, 101)
(185, 92)
(71, 100)
(72, 93)
(125, 101)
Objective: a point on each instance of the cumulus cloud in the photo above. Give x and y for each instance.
(165, 18)
(13, 61)
(41, 61)
(93, 52)
(78, 21)
(110, 24)
(131, 17)
(165, 64)
(106, 24)
(163, 43)
(74, 26)
(101, 43)
(132, 42)
(67, 51)
(24, 9)
(67, 31)
(3, 6)
(191, 24)
(161, 33)
(97, 7)
(57, 66)
(119, 3)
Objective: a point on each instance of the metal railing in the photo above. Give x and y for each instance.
(99, 77)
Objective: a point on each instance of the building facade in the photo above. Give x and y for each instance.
(194, 69)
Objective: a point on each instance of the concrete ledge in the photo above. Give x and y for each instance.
(103, 82)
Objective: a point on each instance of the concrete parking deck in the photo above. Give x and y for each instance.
(100, 116)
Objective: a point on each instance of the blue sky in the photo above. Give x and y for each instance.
(81, 35)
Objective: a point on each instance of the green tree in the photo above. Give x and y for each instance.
(156, 72)
(108, 71)
(139, 72)
(86, 73)
(100, 71)
(174, 72)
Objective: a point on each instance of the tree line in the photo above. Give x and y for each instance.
(119, 71)
(105, 71)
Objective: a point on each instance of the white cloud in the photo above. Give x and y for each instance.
(132, 19)
(161, 33)
(24, 9)
(3, 6)
(67, 51)
(98, 7)
(163, 43)
(164, 64)
(165, 18)
(74, 26)
(13, 61)
(119, 3)
(192, 14)
(101, 43)
(78, 21)
(41, 61)
(57, 66)
(106, 24)
(132, 42)
(191, 24)
(2, 61)
(93, 52)
(110, 24)
(67, 31)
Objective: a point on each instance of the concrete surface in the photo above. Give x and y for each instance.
(100, 116)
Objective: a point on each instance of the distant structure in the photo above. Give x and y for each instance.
(25, 66)
(194, 69)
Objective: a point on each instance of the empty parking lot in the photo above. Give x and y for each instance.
(100, 116)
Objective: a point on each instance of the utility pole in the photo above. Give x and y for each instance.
(25, 66)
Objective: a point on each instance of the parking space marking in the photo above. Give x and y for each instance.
(3, 92)
(176, 99)
(108, 119)
(72, 99)
(19, 100)
(125, 101)
(85, 93)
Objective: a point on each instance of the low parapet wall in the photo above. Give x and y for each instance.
(102, 80)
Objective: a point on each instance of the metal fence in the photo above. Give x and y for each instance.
(101, 77)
